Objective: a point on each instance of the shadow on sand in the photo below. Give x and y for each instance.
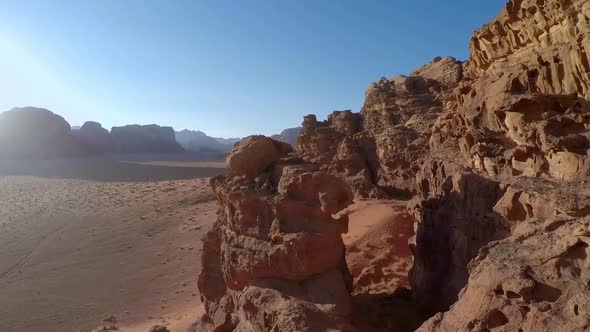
(114, 168)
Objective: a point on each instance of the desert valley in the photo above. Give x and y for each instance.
(456, 199)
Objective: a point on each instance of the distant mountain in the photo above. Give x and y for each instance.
(288, 135)
(198, 141)
(94, 136)
(144, 139)
(31, 132)
(230, 141)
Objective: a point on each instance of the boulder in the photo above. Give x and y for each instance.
(254, 154)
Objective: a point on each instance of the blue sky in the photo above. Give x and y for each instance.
(229, 68)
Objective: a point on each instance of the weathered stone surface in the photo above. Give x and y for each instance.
(445, 70)
(549, 37)
(346, 122)
(496, 151)
(275, 258)
(508, 155)
(536, 280)
(379, 150)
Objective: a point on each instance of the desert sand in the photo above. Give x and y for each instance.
(377, 250)
(91, 239)
(116, 240)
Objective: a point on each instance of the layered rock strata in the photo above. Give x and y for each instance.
(274, 261)
(505, 186)
(494, 150)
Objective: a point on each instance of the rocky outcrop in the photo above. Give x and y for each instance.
(274, 261)
(94, 136)
(288, 135)
(503, 187)
(447, 70)
(496, 153)
(31, 132)
(380, 150)
(144, 139)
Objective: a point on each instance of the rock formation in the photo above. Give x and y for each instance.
(496, 154)
(94, 136)
(513, 130)
(288, 135)
(144, 139)
(380, 150)
(274, 261)
(31, 132)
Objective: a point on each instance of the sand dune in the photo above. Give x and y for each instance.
(105, 241)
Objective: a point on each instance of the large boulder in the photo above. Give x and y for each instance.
(31, 132)
(253, 154)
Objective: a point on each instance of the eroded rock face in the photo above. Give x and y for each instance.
(536, 280)
(508, 162)
(379, 150)
(275, 258)
(550, 36)
(496, 151)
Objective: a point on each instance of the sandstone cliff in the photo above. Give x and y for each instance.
(274, 261)
(509, 159)
(494, 153)
(379, 150)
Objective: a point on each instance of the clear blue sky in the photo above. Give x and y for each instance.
(229, 68)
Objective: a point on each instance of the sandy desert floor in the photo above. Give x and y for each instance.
(85, 240)
(377, 250)
(120, 239)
